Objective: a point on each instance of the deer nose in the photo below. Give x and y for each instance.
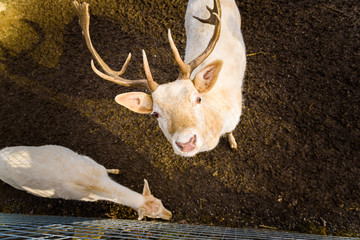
(188, 146)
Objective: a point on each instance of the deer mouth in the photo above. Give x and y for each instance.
(189, 146)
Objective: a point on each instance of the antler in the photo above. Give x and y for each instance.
(214, 19)
(110, 75)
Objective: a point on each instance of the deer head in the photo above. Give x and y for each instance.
(177, 105)
(152, 206)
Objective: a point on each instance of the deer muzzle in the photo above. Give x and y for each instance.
(188, 146)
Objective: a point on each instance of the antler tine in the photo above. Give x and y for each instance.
(214, 19)
(111, 75)
(151, 83)
(123, 69)
(184, 68)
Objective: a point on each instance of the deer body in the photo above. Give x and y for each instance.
(205, 101)
(57, 172)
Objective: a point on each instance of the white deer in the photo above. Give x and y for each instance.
(204, 102)
(57, 172)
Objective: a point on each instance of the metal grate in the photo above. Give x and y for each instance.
(16, 226)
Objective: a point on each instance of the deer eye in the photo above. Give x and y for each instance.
(198, 100)
(155, 114)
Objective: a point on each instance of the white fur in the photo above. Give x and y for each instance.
(57, 172)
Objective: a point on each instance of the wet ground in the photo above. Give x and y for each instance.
(297, 167)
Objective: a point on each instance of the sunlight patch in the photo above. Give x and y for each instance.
(19, 160)
(2, 7)
(39, 192)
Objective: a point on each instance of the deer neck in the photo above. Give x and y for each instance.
(114, 192)
(222, 113)
(213, 122)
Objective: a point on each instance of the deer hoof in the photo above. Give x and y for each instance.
(232, 141)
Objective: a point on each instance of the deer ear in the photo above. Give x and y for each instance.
(146, 191)
(135, 101)
(206, 78)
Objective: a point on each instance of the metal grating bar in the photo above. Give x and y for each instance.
(16, 226)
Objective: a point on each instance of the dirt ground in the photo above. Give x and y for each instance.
(298, 163)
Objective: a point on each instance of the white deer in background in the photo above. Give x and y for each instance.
(205, 101)
(57, 172)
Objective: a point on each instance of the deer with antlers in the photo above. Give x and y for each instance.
(205, 101)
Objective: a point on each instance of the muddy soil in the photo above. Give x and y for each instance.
(298, 163)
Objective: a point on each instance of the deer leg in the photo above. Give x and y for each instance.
(231, 140)
(113, 171)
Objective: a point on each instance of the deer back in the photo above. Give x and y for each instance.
(230, 47)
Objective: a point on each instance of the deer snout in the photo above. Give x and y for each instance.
(166, 214)
(187, 146)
